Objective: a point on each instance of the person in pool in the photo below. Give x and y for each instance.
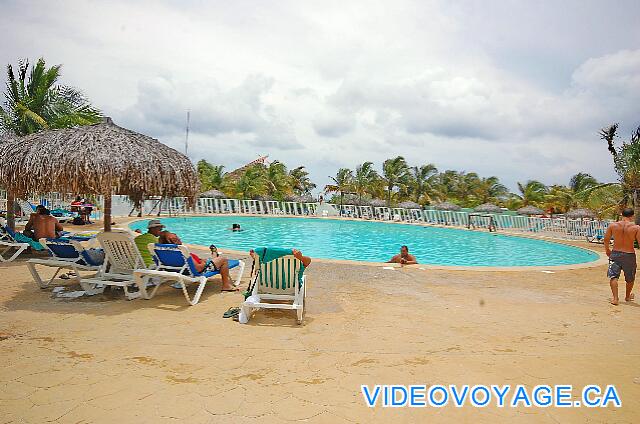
(623, 256)
(235, 227)
(403, 258)
(215, 263)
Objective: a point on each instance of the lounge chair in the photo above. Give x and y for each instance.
(174, 263)
(67, 254)
(278, 282)
(122, 258)
(8, 242)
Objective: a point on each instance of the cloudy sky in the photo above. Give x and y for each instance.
(516, 89)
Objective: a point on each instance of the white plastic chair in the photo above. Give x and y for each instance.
(122, 258)
(280, 281)
(66, 254)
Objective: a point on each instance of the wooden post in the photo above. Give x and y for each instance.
(11, 214)
(107, 212)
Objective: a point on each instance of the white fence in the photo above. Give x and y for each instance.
(559, 228)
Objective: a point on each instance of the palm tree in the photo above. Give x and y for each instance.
(561, 198)
(341, 182)
(38, 102)
(489, 190)
(252, 182)
(364, 178)
(532, 192)
(211, 176)
(395, 173)
(300, 181)
(626, 160)
(277, 180)
(422, 181)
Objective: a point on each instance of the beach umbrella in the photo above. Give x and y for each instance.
(377, 203)
(102, 159)
(409, 205)
(530, 210)
(580, 213)
(215, 194)
(447, 206)
(488, 208)
(299, 199)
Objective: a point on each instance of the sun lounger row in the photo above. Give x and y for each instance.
(276, 277)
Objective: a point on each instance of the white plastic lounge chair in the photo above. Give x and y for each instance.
(67, 254)
(8, 243)
(277, 284)
(174, 263)
(122, 258)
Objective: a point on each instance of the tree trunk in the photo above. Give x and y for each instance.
(11, 214)
(636, 206)
(107, 212)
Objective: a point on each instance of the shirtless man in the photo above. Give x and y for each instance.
(623, 256)
(403, 258)
(42, 225)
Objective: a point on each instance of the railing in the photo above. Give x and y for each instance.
(559, 228)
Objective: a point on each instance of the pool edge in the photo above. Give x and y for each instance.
(601, 260)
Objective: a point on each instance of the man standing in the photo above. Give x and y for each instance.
(404, 257)
(154, 228)
(623, 256)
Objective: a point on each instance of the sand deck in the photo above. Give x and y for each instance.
(103, 359)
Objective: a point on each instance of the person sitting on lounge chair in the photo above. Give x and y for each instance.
(404, 257)
(42, 225)
(215, 263)
(154, 229)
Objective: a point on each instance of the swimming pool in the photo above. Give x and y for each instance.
(374, 241)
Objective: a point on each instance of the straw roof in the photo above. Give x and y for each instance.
(447, 206)
(530, 210)
(409, 205)
(102, 158)
(377, 203)
(216, 194)
(580, 213)
(299, 199)
(488, 208)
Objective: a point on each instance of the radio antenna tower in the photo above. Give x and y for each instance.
(186, 138)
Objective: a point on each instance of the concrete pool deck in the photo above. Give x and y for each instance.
(105, 359)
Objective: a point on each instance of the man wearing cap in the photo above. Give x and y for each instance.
(154, 228)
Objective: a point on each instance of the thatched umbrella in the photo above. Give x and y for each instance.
(530, 210)
(447, 206)
(409, 205)
(488, 208)
(215, 194)
(377, 203)
(580, 213)
(299, 199)
(102, 159)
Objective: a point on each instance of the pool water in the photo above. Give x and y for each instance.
(374, 241)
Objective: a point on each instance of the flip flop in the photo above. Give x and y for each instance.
(231, 312)
(64, 277)
(230, 290)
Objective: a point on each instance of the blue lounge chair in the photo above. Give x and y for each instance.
(8, 242)
(67, 254)
(174, 263)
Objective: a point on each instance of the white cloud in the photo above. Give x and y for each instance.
(512, 89)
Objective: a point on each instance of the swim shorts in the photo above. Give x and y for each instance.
(622, 261)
